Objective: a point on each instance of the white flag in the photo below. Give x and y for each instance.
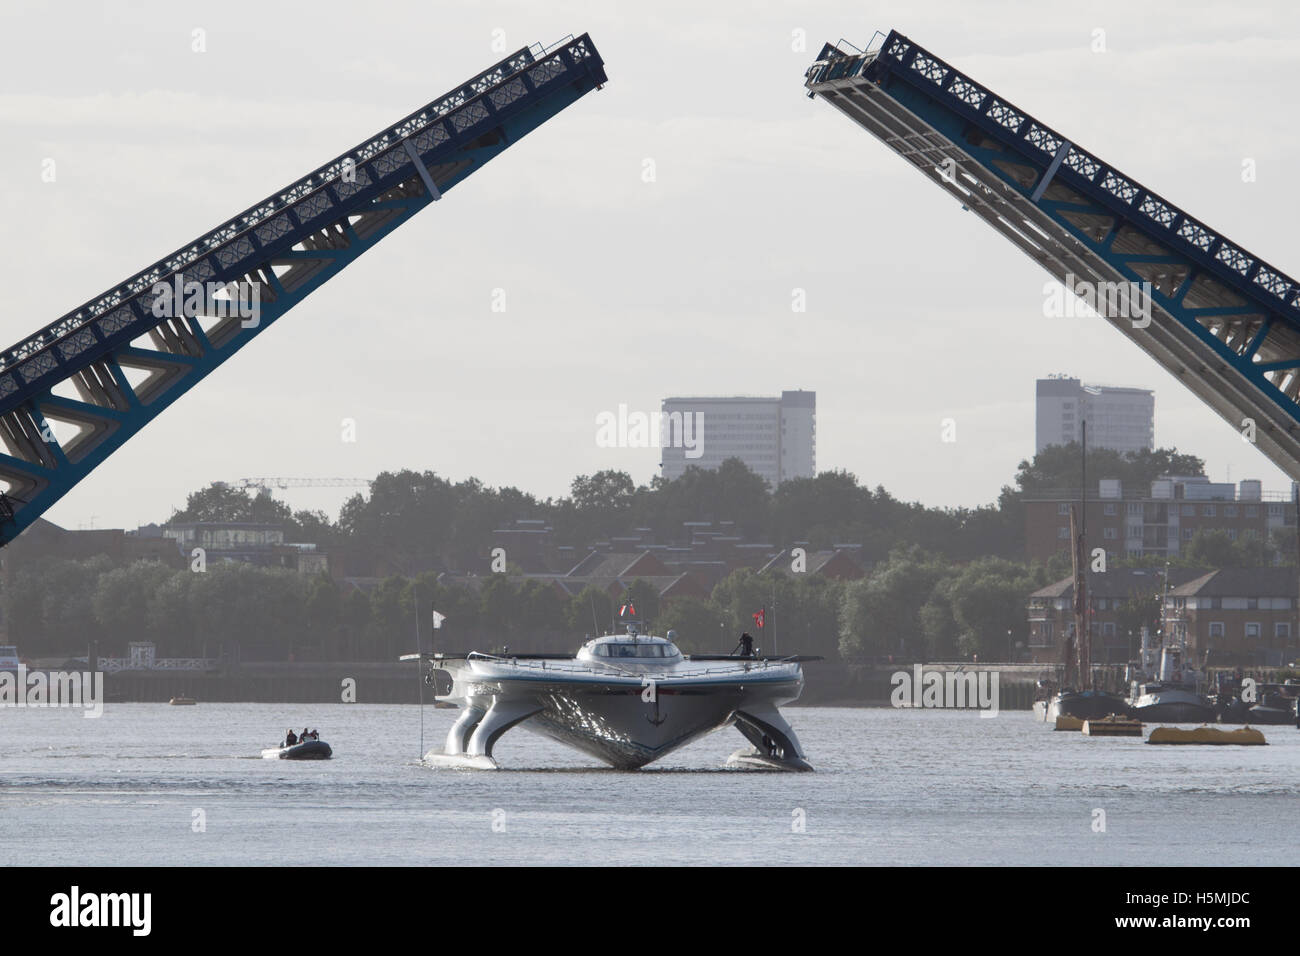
(438, 619)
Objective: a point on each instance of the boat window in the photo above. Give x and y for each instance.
(636, 650)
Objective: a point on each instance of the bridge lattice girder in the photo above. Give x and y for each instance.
(1224, 321)
(280, 250)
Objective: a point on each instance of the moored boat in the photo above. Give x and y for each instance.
(1230, 705)
(1242, 701)
(1277, 704)
(1076, 694)
(1113, 726)
(1085, 705)
(1158, 702)
(1167, 688)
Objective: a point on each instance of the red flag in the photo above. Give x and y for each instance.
(759, 616)
(627, 609)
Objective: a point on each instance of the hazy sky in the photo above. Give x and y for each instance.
(619, 290)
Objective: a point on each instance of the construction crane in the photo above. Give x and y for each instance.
(266, 484)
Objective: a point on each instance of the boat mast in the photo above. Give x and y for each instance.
(1079, 531)
(419, 662)
(1295, 504)
(1165, 636)
(773, 615)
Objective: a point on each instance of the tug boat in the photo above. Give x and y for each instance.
(1170, 688)
(306, 750)
(626, 699)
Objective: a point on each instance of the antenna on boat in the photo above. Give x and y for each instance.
(1295, 502)
(774, 614)
(419, 661)
(1084, 644)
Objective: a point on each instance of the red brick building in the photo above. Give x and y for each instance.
(839, 564)
(1237, 616)
(1157, 521)
(1115, 637)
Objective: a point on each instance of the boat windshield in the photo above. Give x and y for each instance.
(635, 650)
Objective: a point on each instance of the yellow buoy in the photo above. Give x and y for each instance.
(1244, 736)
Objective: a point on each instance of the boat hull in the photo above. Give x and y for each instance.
(622, 721)
(1232, 710)
(310, 750)
(1089, 705)
(1270, 715)
(1171, 703)
(1174, 712)
(752, 758)
(616, 726)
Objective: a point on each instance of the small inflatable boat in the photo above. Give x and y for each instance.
(307, 750)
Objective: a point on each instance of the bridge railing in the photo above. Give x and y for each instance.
(113, 665)
(1249, 275)
(261, 211)
(613, 670)
(230, 242)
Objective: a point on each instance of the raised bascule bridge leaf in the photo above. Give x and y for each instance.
(132, 351)
(1222, 320)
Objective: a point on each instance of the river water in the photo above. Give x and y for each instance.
(153, 784)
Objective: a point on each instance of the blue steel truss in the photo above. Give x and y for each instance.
(1223, 321)
(281, 250)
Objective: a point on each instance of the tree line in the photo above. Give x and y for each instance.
(915, 605)
(411, 521)
(944, 583)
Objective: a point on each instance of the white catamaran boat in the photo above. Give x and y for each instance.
(627, 699)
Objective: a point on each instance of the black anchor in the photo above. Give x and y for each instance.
(656, 720)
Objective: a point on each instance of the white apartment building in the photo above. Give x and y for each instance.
(1123, 419)
(775, 437)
